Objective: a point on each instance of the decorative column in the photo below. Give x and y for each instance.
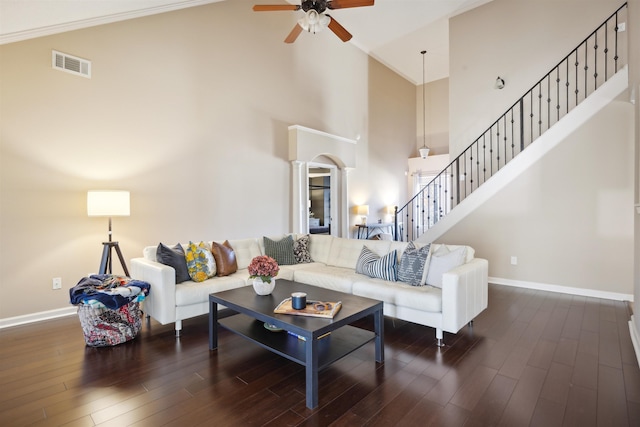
(344, 202)
(299, 196)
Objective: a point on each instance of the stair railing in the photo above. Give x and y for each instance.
(570, 82)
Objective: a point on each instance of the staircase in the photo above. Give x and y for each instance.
(582, 83)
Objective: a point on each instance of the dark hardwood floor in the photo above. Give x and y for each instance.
(533, 358)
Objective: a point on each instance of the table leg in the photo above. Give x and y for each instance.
(213, 325)
(378, 320)
(311, 369)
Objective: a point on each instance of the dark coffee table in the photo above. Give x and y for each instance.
(319, 349)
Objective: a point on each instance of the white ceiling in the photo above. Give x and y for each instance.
(392, 31)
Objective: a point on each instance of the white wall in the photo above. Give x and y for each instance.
(189, 111)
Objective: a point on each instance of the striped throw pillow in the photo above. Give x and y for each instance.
(373, 265)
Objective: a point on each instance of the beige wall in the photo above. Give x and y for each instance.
(189, 111)
(569, 219)
(482, 48)
(436, 121)
(634, 80)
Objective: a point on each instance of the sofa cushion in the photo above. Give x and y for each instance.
(280, 250)
(196, 293)
(412, 264)
(423, 298)
(200, 263)
(443, 260)
(319, 247)
(225, 258)
(345, 252)
(324, 276)
(301, 250)
(174, 257)
(470, 252)
(373, 265)
(245, 250)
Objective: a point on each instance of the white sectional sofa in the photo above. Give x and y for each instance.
(464, 292)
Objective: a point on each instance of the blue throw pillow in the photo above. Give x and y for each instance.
(174, 257)
(412, 264)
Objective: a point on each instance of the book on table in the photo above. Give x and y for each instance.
(326, 309)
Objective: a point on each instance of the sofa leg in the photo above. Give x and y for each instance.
(439, 342)
(178, 328)
(471, 323)
(439, 337)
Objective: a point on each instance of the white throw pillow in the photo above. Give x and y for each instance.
(442, 261)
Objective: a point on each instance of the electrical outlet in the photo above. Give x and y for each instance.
(514, 260)
(57, 283)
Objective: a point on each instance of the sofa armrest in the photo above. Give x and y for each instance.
(465, 294)
(161, 302)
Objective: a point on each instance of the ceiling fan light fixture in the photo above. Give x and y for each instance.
(314, 22)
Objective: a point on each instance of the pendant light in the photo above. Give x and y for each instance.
(424, 151)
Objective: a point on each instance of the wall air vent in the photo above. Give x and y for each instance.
(71, 64)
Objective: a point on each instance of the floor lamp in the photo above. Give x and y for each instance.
(109, 204)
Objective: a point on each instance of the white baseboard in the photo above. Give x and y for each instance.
(37, 317)
(635, 338)
(562, 289)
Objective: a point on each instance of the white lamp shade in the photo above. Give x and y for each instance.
(363, 210)
(108, 203)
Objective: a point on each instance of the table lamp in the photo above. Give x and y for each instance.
(109, 203)
(363, 211)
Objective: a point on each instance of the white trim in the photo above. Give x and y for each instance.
(562, 289)
(321, 133)
(635, 338)
(100, 20)
(37, 317)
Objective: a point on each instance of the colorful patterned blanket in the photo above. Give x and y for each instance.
(109, 290)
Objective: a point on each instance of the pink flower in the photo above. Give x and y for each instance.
(264, 267)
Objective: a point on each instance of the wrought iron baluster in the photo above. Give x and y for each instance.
(567, 84)
(497, 146)
(539, 109)
(557, 93)
(548, 101)
(595, 62)
(606, 51)
(577, 64)
(513, 141)
(586, 69)
(531, 116)
(615, 58)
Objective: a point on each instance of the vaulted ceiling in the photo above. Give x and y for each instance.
(392, 31)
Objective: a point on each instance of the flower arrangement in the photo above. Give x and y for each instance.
(263, 267)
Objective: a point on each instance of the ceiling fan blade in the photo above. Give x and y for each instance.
(339, 30)
(274, 7)
(343, 4)
(293, 35)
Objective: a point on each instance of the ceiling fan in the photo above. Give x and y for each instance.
(315, 18)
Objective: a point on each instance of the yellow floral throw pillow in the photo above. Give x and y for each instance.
(200, 262)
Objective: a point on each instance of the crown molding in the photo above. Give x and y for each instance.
(100, 20)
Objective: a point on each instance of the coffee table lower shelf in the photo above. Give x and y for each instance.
(331, 347)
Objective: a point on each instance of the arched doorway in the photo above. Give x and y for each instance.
(315, 154)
